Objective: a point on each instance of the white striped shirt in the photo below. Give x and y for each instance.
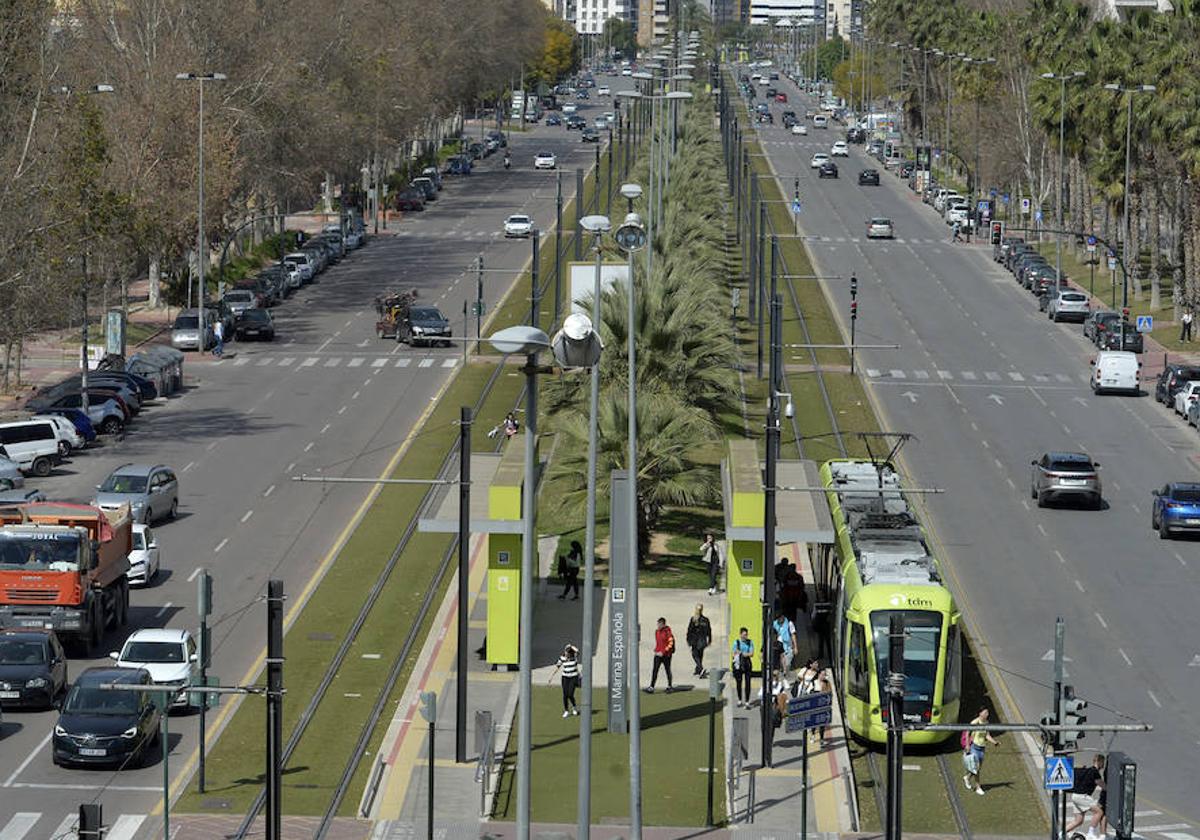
(570, 667)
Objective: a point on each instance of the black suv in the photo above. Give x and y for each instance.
(1172, 380)
(868, 176)
(33, 668)
(1128, 339)
(828, 170)
(103, 726)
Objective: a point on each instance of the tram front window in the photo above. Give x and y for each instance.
(922, 636)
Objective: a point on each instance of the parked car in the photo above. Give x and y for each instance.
(99, 726)
(304, 263)
(457, 165)
(104, 412)
(410, 199)
(1128, 339)
(144, 556)
(1000, 251)
(828, 169)
(880, 228)
(1068, 306)
(1069, 475)
(544, 160)
(257, 323)
(518, 226)
(151, 491)
(239, 300)
(868, 176)
(1173, 377)
(168, 654)
(553, 119)
(427, 186)
(32, 444)
(1100, 322)
(185, 333)
(82, 424)
(1114, 370)
(1176, 509)
(33, 668)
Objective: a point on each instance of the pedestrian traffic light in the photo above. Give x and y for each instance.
(429, 706)
(1074, 713)
(91, 824)
(1120, 782)
(853, 286)
(853, 310)
(997, 232)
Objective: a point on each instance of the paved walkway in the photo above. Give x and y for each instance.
(398, 800)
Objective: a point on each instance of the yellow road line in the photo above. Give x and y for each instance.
(222, 717)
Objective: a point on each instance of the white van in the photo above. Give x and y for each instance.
(33, 444)
(1116, 370)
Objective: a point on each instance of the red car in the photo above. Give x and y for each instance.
(781, 97)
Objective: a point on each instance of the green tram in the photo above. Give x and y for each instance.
(882, 565)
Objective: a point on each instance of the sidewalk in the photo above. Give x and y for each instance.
(399, 807)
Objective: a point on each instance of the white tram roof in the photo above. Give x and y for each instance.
(888, 544)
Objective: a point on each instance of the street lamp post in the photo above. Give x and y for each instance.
(1129, 92)
(1062, 79)
(201, 249)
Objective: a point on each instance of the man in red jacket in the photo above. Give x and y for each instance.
(664, 649)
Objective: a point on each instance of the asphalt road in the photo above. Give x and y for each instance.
(326, 397)
(987, 384)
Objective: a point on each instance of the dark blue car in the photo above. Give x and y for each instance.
(1176, 509)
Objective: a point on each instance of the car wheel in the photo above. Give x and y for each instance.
(1041, 501)
(1164, 533)
(64, 448)
(41, 467)
(174, 512)
(110, 426)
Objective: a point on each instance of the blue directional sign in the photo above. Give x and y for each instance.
(1037, 216)
(1145, 323)
(1060, 772)
(808, 720)
(796, 205)
(983, 206)
(809, 710)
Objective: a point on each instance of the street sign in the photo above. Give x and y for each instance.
(809, 710)
(809, 720)
(1025, 205)
(983, 206)
(1060, 772)
(1037, 217)
(1112, 263)
(1091, 244)
(1145, 323)
(796, 206)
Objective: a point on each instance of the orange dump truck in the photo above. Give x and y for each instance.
(63, 567)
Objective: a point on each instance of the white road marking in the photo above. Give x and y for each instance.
(324, 429)
(357, 361)
(290, 467)
(986, 445)
(1079, 585)
(334, 362)
(309, 362)
(897, 374)
(308, 446)
(1058, 554)
(354, 396)
(377, 363)
(1103, 623)
(449, 363)
(1172, 827)
(163, 609)
(425, 363)
(241, 360)
(342, 410)
(969, 375)
(190, 464)
(974, 426)
(193, 575)
(1015, 377)
(1179, 557)
(999, 465)
(67, 828)
(264, 361)
(921, 374)
(286, 361)
(221, 545)
(126, 827)
(211, 446)
(1128, 662)
(1140, 814)
(1010, 482)
(1042, 528)
(247, 515)
(28, 759)
(323, 346)
(403, 363)
(19, 825)
(1156, 703)
(1136, 509)
(1062, 377)
(992, 376)
(872, 372)
(269, 491)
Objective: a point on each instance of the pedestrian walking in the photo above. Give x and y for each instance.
(664, 649)
(1185, 326)
(568, 664)
(699, 637)
(710, 554)
(1085, 796)
(570, 570)
(793, 596)
(956, 237)
(218, 338)
(742, 665)
(511, 426)
(973, 743)
(784, 631)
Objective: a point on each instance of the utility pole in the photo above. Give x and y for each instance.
(853, 316)
(479, 302)
(768, 546)
(895, 689)
(536, 236)
(429, 712)
(274, 706)
(558, 234)
(204, 652)
(1056, 717)
(464, 572)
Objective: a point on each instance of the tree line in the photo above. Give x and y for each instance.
(98, 139)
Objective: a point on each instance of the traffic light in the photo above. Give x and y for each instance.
(997, 232)
(1049, 736)
(853, 286)
(91, 824)
(853, 310)
(1074, 713)
(1120, 781)
(429, 706)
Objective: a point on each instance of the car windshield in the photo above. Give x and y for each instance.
(519, 220)
(14, 651)
(139, 540)
(1178, 494)
(1072, 466)
(1074, 297)
(545, 155)
(259, 316)
(37, 551)
(237, 297)
(922, 636)
(93, 700)
(426, 313)
(880, 222)
(153, 652)
(187, 322)
(123, 483)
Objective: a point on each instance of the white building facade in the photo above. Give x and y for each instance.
(590, 15)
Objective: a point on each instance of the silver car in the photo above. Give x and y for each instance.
(151, 491)
(239, 300)
(185, 334)
(11, 477)
(1070, 475)
(880, 228)
(1068, 305)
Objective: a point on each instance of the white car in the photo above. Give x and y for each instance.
(544, 160)
(569, 107)
(169, 655)
(603, 91)
(818, 159)
(799, 128)
(518, 226)
(1186, 395)
(840, 149)
(144, 558)
(957, 213)
(625, 71)
(880, 228)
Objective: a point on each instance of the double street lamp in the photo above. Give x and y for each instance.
(1129, 92)
(1062, 79)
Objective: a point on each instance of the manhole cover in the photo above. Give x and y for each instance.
(216, 804)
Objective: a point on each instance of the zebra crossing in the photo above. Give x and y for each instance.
(34, 825)
(1009, 377)
(308, 362)
(899, 240)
